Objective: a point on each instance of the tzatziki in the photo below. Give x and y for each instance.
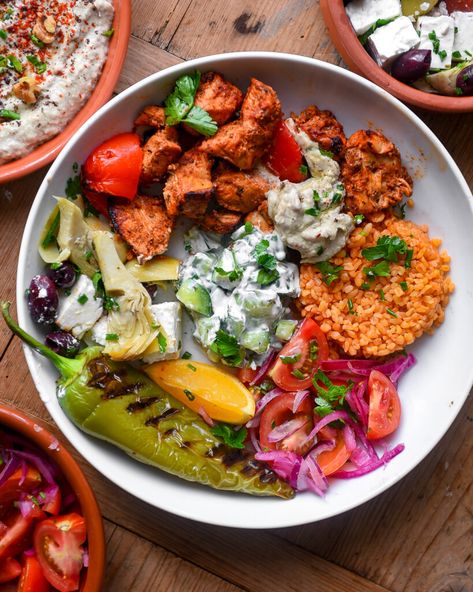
(51, 55)
(308, 216)
(238, 294)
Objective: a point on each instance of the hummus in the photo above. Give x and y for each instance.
(51, 56)
(308, 216)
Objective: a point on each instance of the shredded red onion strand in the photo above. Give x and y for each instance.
(264, 368)
(206, 417)
(300, 396)
(287, 428)
(371, 466)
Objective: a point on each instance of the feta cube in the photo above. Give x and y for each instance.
(437, 34)
(168, 315)
(79, 311)
(390, 41)
(98, 333)
(364, 13)
(463, 40)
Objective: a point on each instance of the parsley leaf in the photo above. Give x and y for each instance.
(379, 270)
(266, 277)
(231, 437)
(268, 274)
(163, 342)
(186, 355)
(226, 346)
(201, 121)
(290, 359)
(435, 41)
(233, 275)
(330, 273)
(111, 337)
(387, 247)
(330, 395)
(39, 66)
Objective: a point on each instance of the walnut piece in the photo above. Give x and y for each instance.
(45, 29)
(26, 90)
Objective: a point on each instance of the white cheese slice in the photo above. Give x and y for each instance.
(437, 34)
(79, 311)
(390, 41)
(463, 40)
(168, 315)
(98, 333)
(364, 13)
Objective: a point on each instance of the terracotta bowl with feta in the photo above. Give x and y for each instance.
(58, 64)
(420, 52)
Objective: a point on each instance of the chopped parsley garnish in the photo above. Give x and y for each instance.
(391, 312)
(36, 41)
(248, 229)
(458, 91)
(456, 54)
(52, 230)
(326, 153)
(266, 277)
(3, 34)
(233, 275)
(109, 33)
(8, 114)
(55, 265)
(379, 23)
(381, 269)
(330, 273)
(313, 350)
(320, 251)
(468, 53)
(39, 66)
(337, 198)
(350, 306)
(358, 218)
(330, 395)
(163, 342)
(89, 255)
(226, 346)
(192, 367)
(111, 337)
(387, 247)
(435, 41)
(442, 54)
(365, 286)
(268, 274)
(298, 374)
(186, 355)
(381, 295)
(404, 286)
(82, 299)
(179, 106)
(109, 303)
(409, 254)
(189, 394)
(231, 437)
(303, 169)
(290, 359)
(7, 14)
(313, 212)
(15, 64)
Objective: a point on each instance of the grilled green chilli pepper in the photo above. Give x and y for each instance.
(117, 403)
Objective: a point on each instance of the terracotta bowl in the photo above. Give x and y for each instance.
(357, 58)
(33, 430)
(46, 153)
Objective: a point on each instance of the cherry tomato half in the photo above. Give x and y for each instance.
(11, 489)
(460, 5)
(53, 505)
(246, 375)
(277, 412)
(308, 346)
(10, 569)
(57, 542)
(32, 577)
(285, 158)
(332, 460)
(384, 406)
(114, 167)
(14, 540)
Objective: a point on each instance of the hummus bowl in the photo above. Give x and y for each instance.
(45, 152)
(431, 400)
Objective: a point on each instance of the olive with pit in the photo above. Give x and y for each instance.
(465, 80)
(63, 274)
(412, 65)
(43, 300)
(63, 343)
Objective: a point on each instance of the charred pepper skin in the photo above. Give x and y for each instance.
(121, 405)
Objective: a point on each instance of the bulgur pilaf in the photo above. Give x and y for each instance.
(388, 316)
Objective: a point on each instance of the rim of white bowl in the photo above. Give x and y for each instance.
(64, 423)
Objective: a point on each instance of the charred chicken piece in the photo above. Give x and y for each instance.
(220, 221)
(240, 191)
(143, 223)
(152, 115)
(260, 218)
(218, 97)
(160, 151)
(372, 173)
(189, 186)
(324, 128)
(244, 141)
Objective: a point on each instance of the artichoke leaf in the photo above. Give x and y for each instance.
(95, 223)
(132, 321)
(48, 248)
(75, 237)
(159, 269)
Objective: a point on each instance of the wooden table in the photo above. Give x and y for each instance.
(415, 537)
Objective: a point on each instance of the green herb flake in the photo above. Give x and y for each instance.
(232, 438)
(83, 298)
(36, 41)
(42, 495)
(381, 295)
(435, 41)
(15, 64)
(268, 274)
(298, 374)
(391, 312)
(442, 54)
(55, 265)
(52, 230)
(358, 218)
(10, 115)
(226, 346)
(332, 394)
(7, 14)
(320, 251)
(110, 303)
(265, 277)
(233, 275)
(330, 273)
(248, 229)
(189, 394)
(365, 286)
(109, 33)
(290, 359)
(350, 307)
(73, 186)
(39, 66)
(192, 367)
(313, 350)
(304, 170)
(337, 198)
(111, 337)
(89, 255)
(404, 286)
(456, 54)
(326, 153)
(379, 23)
(379, 270)
(387, 247)
(458, 91)
(186, 355)
(3, 34)
(409, 255)
(315, 212)
(163, 342)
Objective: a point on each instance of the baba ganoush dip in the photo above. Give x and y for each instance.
(51, 56)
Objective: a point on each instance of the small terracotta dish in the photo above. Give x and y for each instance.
(47, 152)
(35, 431)
(358, 60)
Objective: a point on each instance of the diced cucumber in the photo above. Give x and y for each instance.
(285, 329)
(256, 340)
(195, 297)
(259, 303)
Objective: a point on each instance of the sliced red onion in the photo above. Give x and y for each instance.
(334, 416)
(287, 428)
(254, 439)
(206, 417)
(362, 367)
(318, 479)
(371, 466)
(12, 463)
(254, 422)
(300, 396)
(50, 493)
(44, 467)
(264, 368)
(410, 360)
(24, 473)
(325, 446)
(26, 507)
(356, 400)
(349, 438)
(365, 443)
(85, 558)
(261, 404)
(284, 463)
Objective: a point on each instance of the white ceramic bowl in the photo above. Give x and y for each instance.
(432, 392)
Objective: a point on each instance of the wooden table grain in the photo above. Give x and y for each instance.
(415, 537)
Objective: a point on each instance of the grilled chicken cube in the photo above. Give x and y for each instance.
(220, 221)
(324, 128)
(144, 224)
(240, 191)
(218, 97)
(244, 141)
(161, 150)
(373, 174)
(152, 115)
(260, 218)
(189, 186)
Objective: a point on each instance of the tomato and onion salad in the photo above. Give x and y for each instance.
(42, 531)
(317, 416)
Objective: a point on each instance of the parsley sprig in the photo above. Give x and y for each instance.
(231, 437)
(226, 346)
(268, 272)
(180, 108)
(330, 396)
(330, 273)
